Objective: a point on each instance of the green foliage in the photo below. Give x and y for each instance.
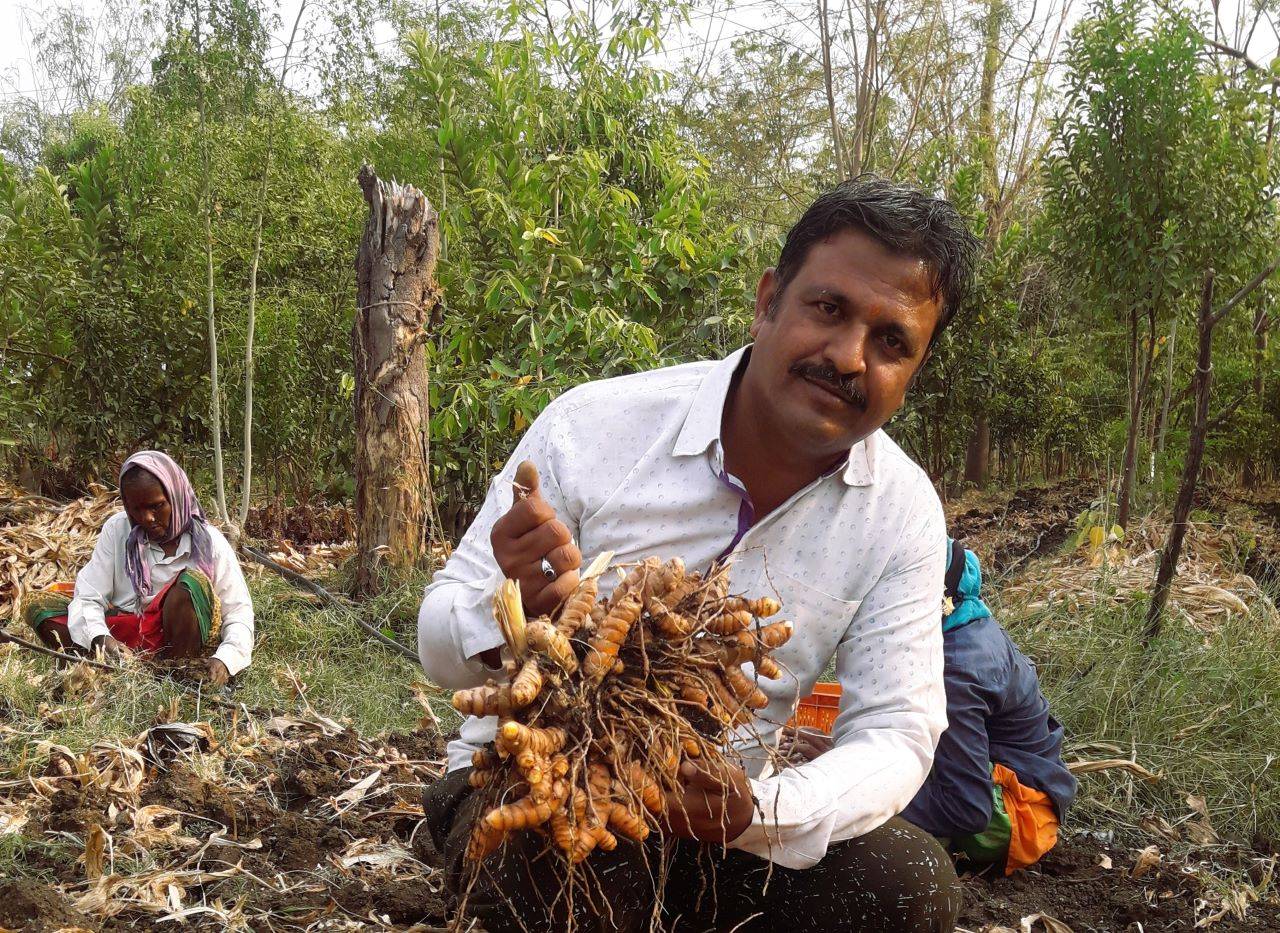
(1158, 171)
(600, 217)
(579, 241)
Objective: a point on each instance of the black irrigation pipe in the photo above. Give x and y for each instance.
(41, 649)
(327, 598)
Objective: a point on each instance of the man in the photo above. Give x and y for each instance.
(772, 459)
(998, 789)
(161, 581)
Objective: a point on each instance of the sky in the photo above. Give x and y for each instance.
(19, 18)
(717, 23)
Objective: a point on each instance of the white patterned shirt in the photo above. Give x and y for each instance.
(634, 465)
(104, 582)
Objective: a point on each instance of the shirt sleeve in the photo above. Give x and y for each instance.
(455, 623)
(236, 648)
(956, 797)
(893, 709)
(87, 612)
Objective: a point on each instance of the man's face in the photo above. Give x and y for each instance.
(147, 506)
(832, 363)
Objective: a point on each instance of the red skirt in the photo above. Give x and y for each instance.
(138, 631)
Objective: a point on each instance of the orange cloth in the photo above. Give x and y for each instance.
(1032, 818)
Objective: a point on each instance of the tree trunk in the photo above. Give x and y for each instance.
(246, 473)
(977, 453)
(1252, 473)
(211, 320)
(1202, 384)
(396, 294)
(1140, 376)
(987, 119)
(977, 457)
(837, 137)
(1163, 427)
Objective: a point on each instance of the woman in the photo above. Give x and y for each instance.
(161, 581)
(998, 790)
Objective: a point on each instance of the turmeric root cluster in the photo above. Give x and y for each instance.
(604, 699)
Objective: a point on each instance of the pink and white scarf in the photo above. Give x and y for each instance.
(185, 516)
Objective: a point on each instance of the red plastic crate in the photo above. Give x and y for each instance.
(818, 710)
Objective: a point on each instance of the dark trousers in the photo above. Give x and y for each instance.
(895, 879)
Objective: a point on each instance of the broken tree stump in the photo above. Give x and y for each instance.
(396, 293)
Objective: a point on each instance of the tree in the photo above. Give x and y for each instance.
(396, 295)
(1202, 387)
(1154, 175)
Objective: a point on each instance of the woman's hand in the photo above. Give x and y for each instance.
(216, 672)
(109, 649)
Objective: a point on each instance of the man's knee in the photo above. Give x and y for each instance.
(907, 879)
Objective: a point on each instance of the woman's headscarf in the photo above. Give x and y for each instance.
(185, 516)
(963, 586)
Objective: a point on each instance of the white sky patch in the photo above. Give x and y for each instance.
(705, 40)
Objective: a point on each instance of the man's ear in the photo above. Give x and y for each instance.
(766, 290)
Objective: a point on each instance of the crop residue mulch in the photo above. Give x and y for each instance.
(1092, 887)
(298, 824)
(292, 823)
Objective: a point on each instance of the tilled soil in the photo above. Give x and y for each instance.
(34, 907)
(1072, 885)
(1033, 522)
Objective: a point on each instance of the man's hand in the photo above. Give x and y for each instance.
(109, 649)
(800, 744)
(526, 535)
(714, 803)
(216, 672)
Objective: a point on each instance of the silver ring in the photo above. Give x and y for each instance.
(547, 570)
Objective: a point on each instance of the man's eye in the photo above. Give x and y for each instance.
(892, 342)
(828, 307)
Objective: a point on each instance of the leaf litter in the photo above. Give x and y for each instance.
(284, 823)
(294, 821)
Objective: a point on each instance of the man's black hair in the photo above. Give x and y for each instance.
(905, 220)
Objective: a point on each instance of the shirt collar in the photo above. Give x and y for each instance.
(701, 428)
(184, 548)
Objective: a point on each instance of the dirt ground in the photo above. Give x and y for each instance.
(1091, 887)
(1030, 523)
(286, 852)
(288, 845)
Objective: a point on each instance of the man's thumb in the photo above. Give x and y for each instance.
(526, 480)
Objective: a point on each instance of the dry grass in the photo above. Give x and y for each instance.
(1206, 592)
(1198, 707)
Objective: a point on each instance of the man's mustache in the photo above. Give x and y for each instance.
(842, 385)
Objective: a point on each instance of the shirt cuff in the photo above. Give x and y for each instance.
(232, 657)
(89, 632)
(787, 846)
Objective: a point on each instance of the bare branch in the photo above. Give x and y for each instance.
(1245, 291)
(1217, 420)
